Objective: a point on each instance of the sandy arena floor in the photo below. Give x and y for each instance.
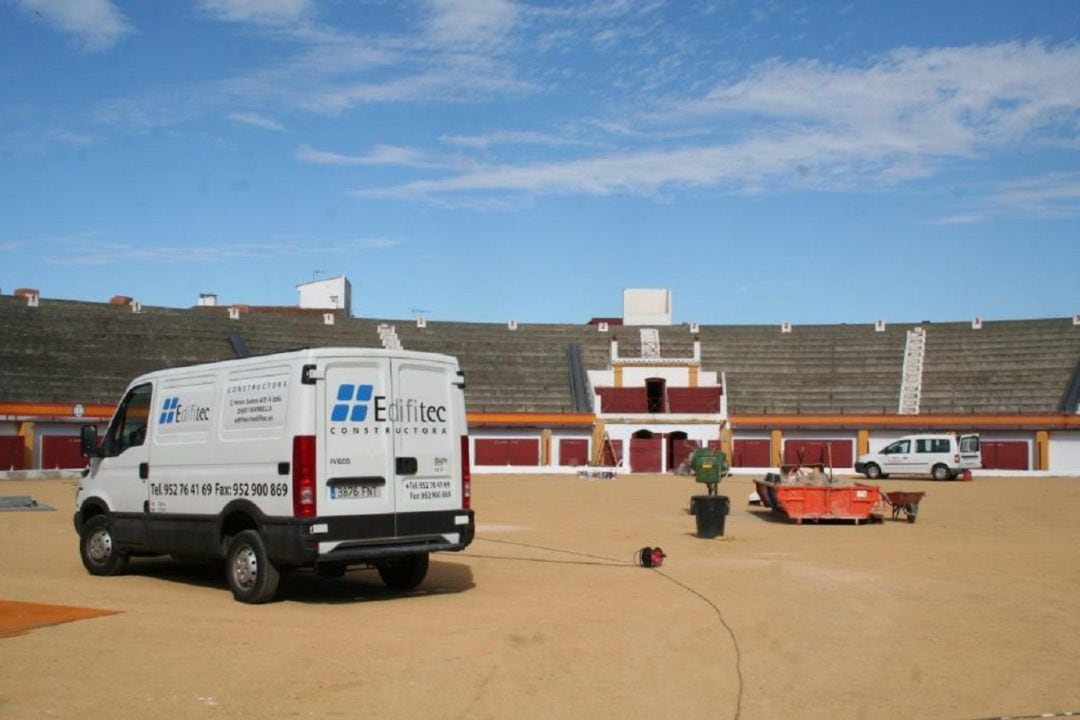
(971, 612)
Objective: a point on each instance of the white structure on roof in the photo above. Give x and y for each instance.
(646, 307)
(330, 294)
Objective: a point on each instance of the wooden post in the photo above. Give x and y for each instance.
(1042, 450)
(25, 430)
(862, 443)
(777, 445)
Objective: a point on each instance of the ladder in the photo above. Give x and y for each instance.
(912, 373)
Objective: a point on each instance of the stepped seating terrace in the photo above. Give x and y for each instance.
(65, 350)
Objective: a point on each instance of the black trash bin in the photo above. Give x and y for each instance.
(711, 511)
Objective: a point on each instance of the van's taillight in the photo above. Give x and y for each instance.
(303, 476)
(956, 458)
(466, 474)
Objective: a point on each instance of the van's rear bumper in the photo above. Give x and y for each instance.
(365, 538)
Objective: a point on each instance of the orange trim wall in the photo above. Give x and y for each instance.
(55, 411)
(958, 421)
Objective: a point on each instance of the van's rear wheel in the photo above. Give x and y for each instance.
(249, 572)
(404, 573)
(941, 472)
(97, 547)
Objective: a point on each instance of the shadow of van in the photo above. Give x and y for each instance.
(303, 585)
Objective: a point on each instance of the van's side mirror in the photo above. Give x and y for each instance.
(89, 441)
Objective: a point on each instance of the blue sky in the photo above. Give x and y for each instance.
(486, 161)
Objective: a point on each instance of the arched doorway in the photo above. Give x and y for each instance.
(646, 450)
(679, 447)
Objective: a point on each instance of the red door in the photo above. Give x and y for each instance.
(1005, 455)
(612, 454)
(524, 452)
(503, 451)
(573, 452)
(61, 451)
(752, 453)
(12, 453)
(491, 451)
(817, 452)
(680, 450)
(645, 454)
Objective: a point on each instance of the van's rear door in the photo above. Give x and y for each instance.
(970, 452)
(427, 440)
(357, 473)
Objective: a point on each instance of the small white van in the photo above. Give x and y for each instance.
(323, 458)
(943, 457)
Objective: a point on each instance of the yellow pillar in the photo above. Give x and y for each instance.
(693, 379)
(545, 446)
(777, 444)
(618, 376)
(727, 443)
(1042, 450)
(862, 442)
(26, 432)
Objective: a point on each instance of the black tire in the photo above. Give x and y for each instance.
(97, 547)
(405, 573)
(330, 572)
(873, 472)
(940, 472)
(251, 576)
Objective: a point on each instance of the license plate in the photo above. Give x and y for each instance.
(346, 492)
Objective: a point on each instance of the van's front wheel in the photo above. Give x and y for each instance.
(97, 547)
(873, 471)
(251, 576)
(405, 573)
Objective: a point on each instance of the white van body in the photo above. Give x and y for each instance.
(322, 458)
(942, 456)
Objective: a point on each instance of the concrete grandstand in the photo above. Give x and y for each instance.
(553, 397)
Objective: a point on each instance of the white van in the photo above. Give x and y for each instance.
(323, 458)
(943, 457)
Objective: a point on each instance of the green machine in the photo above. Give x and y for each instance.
(710, 467)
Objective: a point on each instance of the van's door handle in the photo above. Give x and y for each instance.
(144, 470)
(406, 465)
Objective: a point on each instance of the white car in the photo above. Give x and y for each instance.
(943, 457)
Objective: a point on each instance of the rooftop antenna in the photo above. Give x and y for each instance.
(419, 311)
(316, 273)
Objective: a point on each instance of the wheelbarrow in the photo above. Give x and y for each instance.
(906, 500)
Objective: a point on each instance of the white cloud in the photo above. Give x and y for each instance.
(510, 137)
(271, 12)
(377, 243)
(389, 155)
(256, 120)
(1055, 195)
(97, 24)
(823, 126)
(91, 250)
(968, 219)
(470, 23)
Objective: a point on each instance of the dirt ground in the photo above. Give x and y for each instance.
(971, 612)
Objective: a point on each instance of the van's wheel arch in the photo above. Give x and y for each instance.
(404, 573)
(941, 472)
(97, 547)
(251, 576)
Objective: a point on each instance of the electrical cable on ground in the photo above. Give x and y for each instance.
(684, 586)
